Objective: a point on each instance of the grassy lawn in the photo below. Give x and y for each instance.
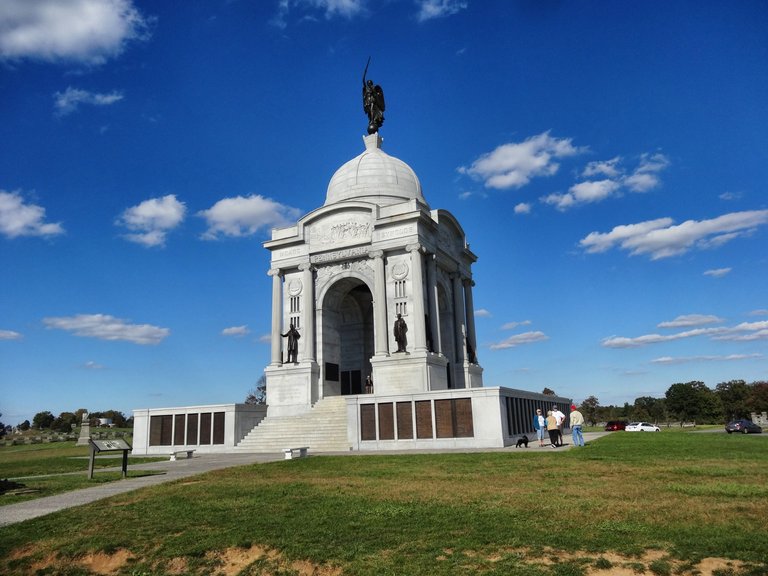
(662, 504)
(36, 463)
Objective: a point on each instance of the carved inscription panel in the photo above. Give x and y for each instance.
(339, 230)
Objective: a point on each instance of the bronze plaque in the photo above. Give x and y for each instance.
(367, 422)
(444, 418)
(386, 422)
(423, 419)
(155, 430)
(205, 428)
(404, 421)
(178, 430)
(218, 427)
(463, 412)
(192, 429)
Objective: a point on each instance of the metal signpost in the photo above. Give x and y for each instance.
(116, 445)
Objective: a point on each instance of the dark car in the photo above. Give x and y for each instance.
(744, 426)
(614, 425)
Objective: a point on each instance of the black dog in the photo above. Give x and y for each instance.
(522, 441)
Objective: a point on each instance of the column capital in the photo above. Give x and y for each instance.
(304, 266)
(376, 254)
(468, 282)
(275, 272)
(415, 247)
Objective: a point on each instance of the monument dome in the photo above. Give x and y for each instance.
(374, 176)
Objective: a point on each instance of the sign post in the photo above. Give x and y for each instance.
(116, 445)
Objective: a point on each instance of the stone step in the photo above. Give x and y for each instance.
(323, 429)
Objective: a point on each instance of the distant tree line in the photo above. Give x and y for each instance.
(687, 402)
(66, 421)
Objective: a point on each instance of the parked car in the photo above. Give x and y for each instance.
(744, 426)
(614, 425)
(642, 427)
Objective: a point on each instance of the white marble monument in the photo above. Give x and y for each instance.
(344, 272)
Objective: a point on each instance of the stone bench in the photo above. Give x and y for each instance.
(291, 453)
(175, 455)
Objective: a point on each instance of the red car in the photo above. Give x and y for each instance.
(614, 425)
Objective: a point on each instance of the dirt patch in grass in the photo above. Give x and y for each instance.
(103, 563)
(232, 561)
(652, 562)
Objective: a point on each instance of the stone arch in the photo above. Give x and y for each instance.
(346, 335)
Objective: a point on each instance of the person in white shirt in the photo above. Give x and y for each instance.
(560, 417)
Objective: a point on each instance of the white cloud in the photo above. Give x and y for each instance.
(10, 335)
(152, 220)
(482, 313)
(661, 239)
(68, 101)
(759, 312)
(513, 325)
(513, 165)
(523, 208)
(431, 9)
(728, 196)
(689, 320)
(519, 340)
(82, 31)
(643, 178)
(746, 331)
(91, 365)
(242, 216)
(20, 219)
(609, 168)
(687, 359)
(718, 272)
(236, 331)
(105, 327)
(306, 10)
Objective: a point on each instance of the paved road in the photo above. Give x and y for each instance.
(15, 513)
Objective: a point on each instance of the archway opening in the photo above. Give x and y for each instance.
(347, 337)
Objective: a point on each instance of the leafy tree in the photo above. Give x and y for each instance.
(117, 417)
(649, 408)
(24, 426)
(693, 401)
(758, 397)
(548, 392)
(2, 427)
(63, 422)
(258, 394)
(734, 396)
(43, 420)
(589, 409)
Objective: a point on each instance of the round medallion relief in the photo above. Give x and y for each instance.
(294, 287)
(399, 270)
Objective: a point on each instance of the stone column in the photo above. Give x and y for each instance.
(417, 280)
(459, 318)
(470, 310)
(277, 316)
(380, 344)
(434, 314)
(308, 311)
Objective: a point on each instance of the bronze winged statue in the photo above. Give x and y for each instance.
(373, 102)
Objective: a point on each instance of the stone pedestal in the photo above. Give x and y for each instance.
(409, 373)
(85, 433)
(292, 388)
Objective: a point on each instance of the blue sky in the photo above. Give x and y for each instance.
(607, 160)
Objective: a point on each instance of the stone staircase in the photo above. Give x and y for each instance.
(323, 429)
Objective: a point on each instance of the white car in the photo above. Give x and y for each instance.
(642, 427)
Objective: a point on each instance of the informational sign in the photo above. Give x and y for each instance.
(107, 445)
(116, 445)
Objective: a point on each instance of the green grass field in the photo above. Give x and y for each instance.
(669, 503)
(39, 466)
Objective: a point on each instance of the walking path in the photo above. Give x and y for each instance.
(175, 470)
